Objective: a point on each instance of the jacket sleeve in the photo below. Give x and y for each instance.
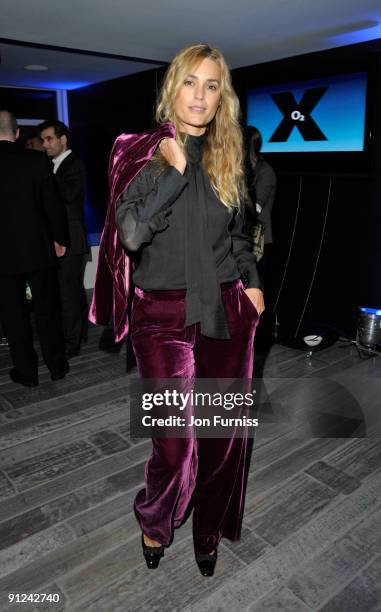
(242, 250)
(54, 207)
(70, 184)
(265, 185)
(143, 208)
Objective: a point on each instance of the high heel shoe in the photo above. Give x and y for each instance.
(152, 554)
(207, 563)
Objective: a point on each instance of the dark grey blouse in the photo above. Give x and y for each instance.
(183, 237)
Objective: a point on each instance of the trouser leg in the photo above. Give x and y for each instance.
(72, 298)
(2, 332)
(164, 349)
(209, 470)
(264, 336)
(221, 479)
(44, 287)
(18, 330)
(84, 304)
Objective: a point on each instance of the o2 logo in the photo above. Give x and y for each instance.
(298, 115)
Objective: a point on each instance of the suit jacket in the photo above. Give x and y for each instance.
(70, 179)
(32, 215)
(129, 155)
(265, 188)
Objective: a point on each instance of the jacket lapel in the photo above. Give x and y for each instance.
(66, 163)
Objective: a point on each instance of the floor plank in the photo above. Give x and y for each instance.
(70, 471)
(363, 593)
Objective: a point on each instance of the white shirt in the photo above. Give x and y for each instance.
(57, 161)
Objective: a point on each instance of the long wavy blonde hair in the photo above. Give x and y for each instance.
(223, 153)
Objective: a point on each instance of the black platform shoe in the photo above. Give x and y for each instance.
(18, 378)
(152, 554)
(206, 563)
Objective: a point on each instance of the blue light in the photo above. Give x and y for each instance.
(28, 82)
(62, 106)
(71, 85)
(37, 94)
(371, 30)
(94, 239)
(375, 311)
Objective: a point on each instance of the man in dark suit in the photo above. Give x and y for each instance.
(262, 179)
(70, 178)
(262, 184)
(34, 233)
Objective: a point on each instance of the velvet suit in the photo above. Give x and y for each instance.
(208, 473)
(190, 318)
(205, 472)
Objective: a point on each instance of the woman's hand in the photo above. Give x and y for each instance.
(256, 296)
(173, 154)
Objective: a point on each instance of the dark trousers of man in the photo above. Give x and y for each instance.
(264, 336)
(73, 300)
(15, 316)
(210, 472)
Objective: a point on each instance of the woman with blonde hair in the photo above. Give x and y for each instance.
(181, 220)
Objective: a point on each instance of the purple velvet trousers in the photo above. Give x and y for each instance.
(205, 472)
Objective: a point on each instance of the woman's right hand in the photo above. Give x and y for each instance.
(173, 154)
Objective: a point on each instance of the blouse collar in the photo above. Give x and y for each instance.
(195, 147)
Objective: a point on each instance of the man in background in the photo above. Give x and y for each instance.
(262, 179)
(34, 233)
(70, 178)
(262, 183)
(33, 141)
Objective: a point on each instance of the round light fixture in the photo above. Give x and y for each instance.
(36, 67)
(312, 340)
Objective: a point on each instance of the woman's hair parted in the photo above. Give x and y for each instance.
(223, 153)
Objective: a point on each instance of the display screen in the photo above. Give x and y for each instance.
(319, 115)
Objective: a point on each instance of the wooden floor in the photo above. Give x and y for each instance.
(312, 526)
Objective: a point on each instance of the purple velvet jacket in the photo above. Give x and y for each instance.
(129, 155)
